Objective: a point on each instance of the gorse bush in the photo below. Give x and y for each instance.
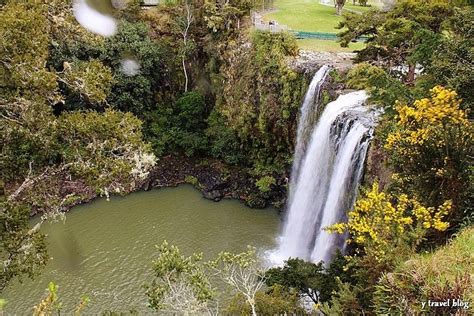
(429, 149)
(380, 226)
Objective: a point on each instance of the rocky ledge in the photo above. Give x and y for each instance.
(310, 61)
(216, 181)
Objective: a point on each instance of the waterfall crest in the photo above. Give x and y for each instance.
(325, 174)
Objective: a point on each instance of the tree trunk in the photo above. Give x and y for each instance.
(339, 4)
(254, 312)
(185, 75)
(189, 19)
(411, 74)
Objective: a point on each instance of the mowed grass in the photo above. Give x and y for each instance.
(327, 46)
(305, 15)
(312, 16)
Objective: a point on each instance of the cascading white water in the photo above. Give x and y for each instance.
(325, 178)
(306, 121)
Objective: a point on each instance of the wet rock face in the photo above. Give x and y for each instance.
(310, 61)
(216, 181)
(214, 195)
(376, 166)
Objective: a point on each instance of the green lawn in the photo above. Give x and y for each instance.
(305, 15)
(312, 16)
(326, 46)
(308, 15)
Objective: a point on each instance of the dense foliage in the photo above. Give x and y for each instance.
(201, 85)
(103, 151)
(417, 55)
(429, 148)
(260, 99)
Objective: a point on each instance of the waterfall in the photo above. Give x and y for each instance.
(325, 174)
(308, 111)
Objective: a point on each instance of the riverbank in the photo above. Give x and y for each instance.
(213, 178)
(216, 181)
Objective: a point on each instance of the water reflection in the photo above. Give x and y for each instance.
(68, 249)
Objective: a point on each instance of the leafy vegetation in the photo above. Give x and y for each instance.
(184, 284)
(206, 87)
(260, 99)
(39, 148)
(426, 136)
(437, 276)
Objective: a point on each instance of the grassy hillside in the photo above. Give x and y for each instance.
(446, 273)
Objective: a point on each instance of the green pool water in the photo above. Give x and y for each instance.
(104, 249)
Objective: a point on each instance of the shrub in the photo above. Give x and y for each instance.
(440, 275)
(429, 148)
(265, 183)
(378, 225)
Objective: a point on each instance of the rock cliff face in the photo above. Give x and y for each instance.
(310, 61)
(376, 166)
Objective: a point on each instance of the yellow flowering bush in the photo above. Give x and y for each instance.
(429, 147)
(416, 123)
(381, 225)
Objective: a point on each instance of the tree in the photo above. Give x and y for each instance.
(22, 248)
(383, 89)
(179, 127)
(394, 36)
(40, 151)
(183, 284)
(242, 272)
(25, 36)
(180, 284)
(448, 58)
(51, 304)
(106, 149)
(275, 300)
(187, 47)
(138, 93)
(310, 280)
(306, 277)
(91, 80)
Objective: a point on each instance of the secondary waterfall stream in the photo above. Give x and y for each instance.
(327, 167)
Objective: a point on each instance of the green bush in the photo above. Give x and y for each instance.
(264, 184)
(192, 180)
(180, 128)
